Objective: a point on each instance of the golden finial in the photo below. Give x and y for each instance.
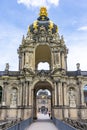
(35, 25)
(43, 11)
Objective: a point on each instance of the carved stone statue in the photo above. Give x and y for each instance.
(72, 101)
(71, 94)
(7, 67)
(14, 97)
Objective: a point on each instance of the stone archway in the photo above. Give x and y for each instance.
(42, 54)
(44, 85)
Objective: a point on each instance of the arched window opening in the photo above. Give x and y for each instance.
(14, 94)
(43, 55)
(0, 94)
(43, 66)
(85, 94)
(43, 92)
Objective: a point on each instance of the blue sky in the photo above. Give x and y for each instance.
(69, 15)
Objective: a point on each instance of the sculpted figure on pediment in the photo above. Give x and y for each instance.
(14, 97)
(56, 37)
(7, 67)
(72, 98)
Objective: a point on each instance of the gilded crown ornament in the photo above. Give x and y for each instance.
(43, 11)
(43, 23)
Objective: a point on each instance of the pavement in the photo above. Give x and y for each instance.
(43, 122)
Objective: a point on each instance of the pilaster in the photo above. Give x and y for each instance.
(60, 93)
(65, 94)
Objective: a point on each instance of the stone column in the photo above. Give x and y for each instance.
(23, 89)
(22, 98)
(60, 93)
(52, 59)
(30, 60)
(53, 97)
(59, 59)
(21, 95)
(25, 93)
(66, 62)
(22, 60)
(56, 102)
(57, 93)
(63, 61)
(4, 93)
(81, 97)
(65, 94)
(30, 95)
(33, 104)
(27, 59)
(55, 58)
(18, 96)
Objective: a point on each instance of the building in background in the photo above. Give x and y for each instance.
(43, 101)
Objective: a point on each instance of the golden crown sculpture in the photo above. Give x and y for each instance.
(43, 11)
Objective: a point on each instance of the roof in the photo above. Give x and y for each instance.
(9, 73)
(68, 73)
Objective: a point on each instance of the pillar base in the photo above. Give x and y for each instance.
(3, 104)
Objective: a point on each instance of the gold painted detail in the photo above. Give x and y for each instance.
(43, 18)
(35, 25)
(43, 11)
(51, 25)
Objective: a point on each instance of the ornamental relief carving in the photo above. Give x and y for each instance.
(42, 36)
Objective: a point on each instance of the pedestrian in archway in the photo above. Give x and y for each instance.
(49, 113)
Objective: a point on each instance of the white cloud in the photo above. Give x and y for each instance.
(77, 54)
(83, 28)
(38, 3)
(10, 39)
(77, 45)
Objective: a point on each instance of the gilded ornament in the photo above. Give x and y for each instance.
(35, 25)
(51, 25)
(43, 11)
(43, 18)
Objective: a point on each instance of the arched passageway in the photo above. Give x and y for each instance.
(42, 98)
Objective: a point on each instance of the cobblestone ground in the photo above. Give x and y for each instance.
(43, 123)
